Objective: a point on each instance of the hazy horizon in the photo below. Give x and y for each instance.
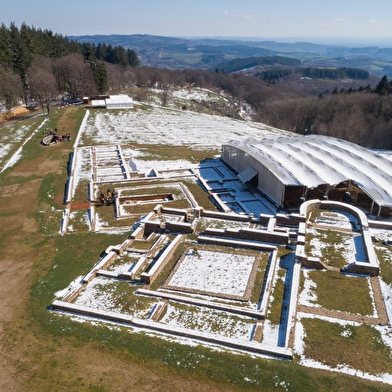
(334, 41)
(349, 22)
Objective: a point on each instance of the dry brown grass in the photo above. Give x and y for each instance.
(39, 357)
(359, 347)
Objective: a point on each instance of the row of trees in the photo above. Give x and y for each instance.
(335, 73)
(249, 62)
(110, 54)
(272, 75)
(362, 118)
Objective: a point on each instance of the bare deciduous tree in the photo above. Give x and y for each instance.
(42, 83)
(74, 76)
(115, 73)
(11, 89)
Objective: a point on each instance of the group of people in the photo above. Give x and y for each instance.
(59, 138)
(62, 138)
(110, 197)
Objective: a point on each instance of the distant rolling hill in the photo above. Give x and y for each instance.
(208, 53)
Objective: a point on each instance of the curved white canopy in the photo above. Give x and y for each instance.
(314, 160)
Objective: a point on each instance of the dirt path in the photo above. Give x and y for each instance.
(19, 260)
(17, 230)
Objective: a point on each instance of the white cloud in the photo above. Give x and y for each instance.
(242, 16)
(374, 22)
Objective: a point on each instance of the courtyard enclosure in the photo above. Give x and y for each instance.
(289, 170)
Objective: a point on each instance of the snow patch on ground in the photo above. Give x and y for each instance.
(18, 136)
(170, 127)
(214, 272)
(308, 296)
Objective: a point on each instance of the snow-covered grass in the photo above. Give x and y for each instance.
(213, 272)
(354, 359)
(169, 127)
(13, 135)
(209, 320)
(114, 295)
(335, 248)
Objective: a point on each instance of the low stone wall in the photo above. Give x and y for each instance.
(264, 219)
(292, 311)
(308, 206)
(102, 264)
(269, 278)
(148, 277)
(147, 197)
(138, 233)
(64, 220)
(176, 211)
(127, 320)
(371, 267)
(380, 225)
(361, 268)
(179, 227)
(189, 195)
(124, 245)
(201, 302)
(75, 292)
(225, 215)
(124, 163)
(204, 239)
(220, 204)
(138, 267)
(250, 234)
(292, 220)
(151, 227)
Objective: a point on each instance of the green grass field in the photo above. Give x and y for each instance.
(47, 351)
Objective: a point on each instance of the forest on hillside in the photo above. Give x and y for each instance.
(39, 65)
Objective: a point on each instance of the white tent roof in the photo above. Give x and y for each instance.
(98, 102)
(314, 160)
(119, 100)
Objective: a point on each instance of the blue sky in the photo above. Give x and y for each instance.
(347, 20)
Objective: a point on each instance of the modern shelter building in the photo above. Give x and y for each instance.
(289, 170)
(113, 102)
(119, 102)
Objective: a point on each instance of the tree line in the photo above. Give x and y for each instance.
(274, 74)
(335, 73)
(249, 62)
(363, 116)
(33, 60)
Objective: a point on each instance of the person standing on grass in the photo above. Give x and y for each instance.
(102, 198)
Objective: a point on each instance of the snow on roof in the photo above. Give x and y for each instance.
(114, 102)
(314, 160)
(98, 102)
(119, 99)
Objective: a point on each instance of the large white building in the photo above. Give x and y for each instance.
(114, 102)
(289, 170)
